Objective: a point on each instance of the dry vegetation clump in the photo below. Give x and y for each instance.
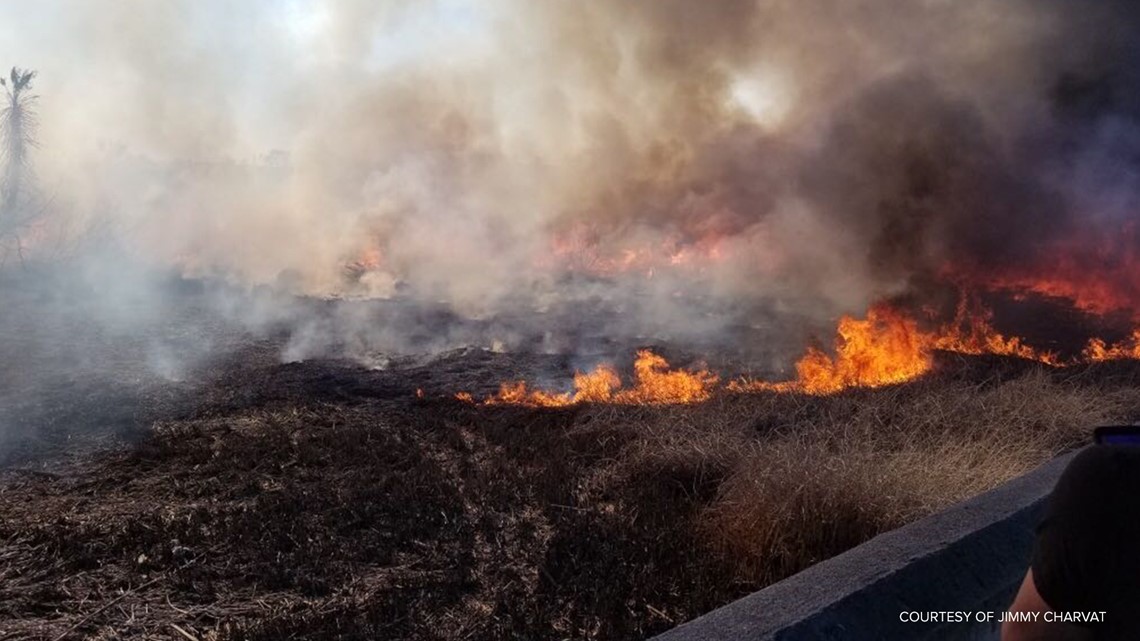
(322, 501)
(870, 461)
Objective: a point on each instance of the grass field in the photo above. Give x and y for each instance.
(238, 497)
(322, 500)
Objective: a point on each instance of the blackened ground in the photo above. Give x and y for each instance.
(236, 497)
(322, 501)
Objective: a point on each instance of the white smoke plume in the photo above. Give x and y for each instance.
(672, 159)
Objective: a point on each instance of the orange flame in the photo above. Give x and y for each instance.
(885, 348)
(582, 249)
(369, 259)
(888, 347)
(1097, 271)
(971, 333)
(655, 383)
(1097, 350)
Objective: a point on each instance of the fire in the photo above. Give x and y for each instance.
(889, 347)
(583, 249)
(1097, 271)
(971, 333)
(882, 349)
(886, 347)
(1097, 350)
(370, 259)
(654, 383)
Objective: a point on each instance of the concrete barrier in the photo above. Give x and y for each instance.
(968, 558)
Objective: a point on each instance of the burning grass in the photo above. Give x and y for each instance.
(323, 501)
(654, 383)
(887, 347)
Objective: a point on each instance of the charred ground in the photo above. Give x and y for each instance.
(244, 498)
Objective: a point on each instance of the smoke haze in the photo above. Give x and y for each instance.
(694, 165)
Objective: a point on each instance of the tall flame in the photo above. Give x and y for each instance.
(888, 347)
(885, 348)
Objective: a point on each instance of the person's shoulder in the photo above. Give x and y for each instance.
(1106, 462)
(1086, 533)
(1097, 473)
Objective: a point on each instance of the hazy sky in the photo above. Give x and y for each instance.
(834, 151)
(211, 76)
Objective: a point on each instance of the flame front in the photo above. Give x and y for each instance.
(1097, 350)
(885, 348)
(654, 383)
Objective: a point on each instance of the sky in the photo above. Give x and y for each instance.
(246, 62)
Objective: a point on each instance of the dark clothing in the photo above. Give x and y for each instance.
(1087, 554)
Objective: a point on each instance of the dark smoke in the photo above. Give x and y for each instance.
(691, 168)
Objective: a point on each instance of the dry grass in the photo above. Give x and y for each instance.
(320, 501)
(798, 479)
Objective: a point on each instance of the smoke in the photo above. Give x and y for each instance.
(692, 166)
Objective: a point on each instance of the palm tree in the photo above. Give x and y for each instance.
(17, 136)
